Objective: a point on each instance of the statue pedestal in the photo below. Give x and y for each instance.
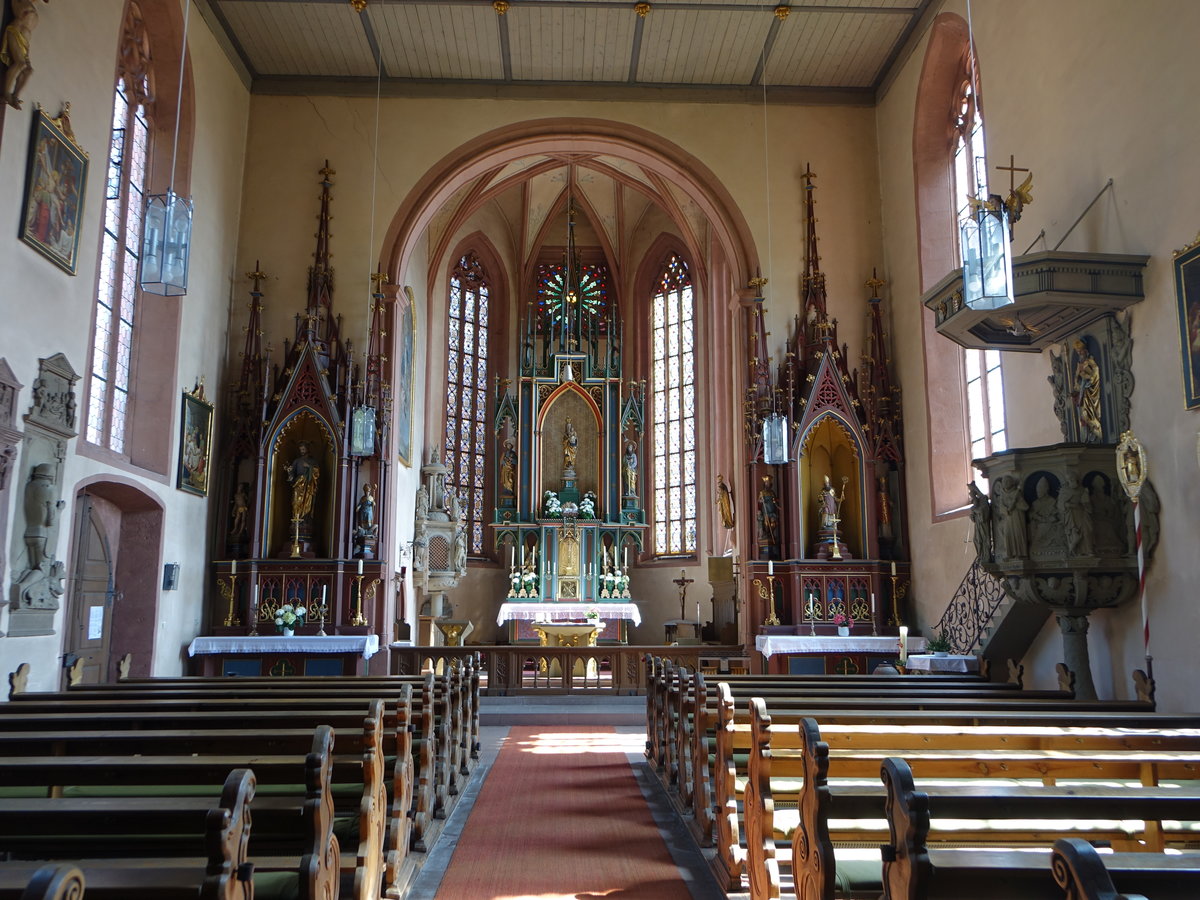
(824, 549)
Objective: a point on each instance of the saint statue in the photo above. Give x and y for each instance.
(1087, 393)
(241, 506)
(570, 445)
(508, 468)
(631, 469)
(364, 513)
(303, 473)
(41, 512)
(981, 519)
(1009, 508)
(831, 504)
(1076, 505)
(14, 49)
(724, 502)
(883, 501)
(768, 514)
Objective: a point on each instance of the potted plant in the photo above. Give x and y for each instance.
(288, 618)
(939, 645)
(844, 623)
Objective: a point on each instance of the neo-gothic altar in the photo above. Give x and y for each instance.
(569, 516)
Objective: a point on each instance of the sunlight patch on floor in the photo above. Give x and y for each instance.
(574, 742)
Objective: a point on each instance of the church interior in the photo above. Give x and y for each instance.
(563, 333)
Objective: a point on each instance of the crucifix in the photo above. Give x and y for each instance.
(1012, 169)
(683, 581)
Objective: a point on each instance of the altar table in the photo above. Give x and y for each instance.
(829, 653)
(521, 615)
(564, 634)
(951, 663)
(302, 654)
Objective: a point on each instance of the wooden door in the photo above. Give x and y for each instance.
(92, 595)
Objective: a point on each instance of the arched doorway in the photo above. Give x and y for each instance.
(112, 602)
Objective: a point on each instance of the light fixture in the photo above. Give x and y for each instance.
(167, 236)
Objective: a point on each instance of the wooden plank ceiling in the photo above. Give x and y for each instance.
(839, 48)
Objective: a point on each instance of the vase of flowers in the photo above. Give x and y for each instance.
(592, 615)
(844, 623)
(288, 618)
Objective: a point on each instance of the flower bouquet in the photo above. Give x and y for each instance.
(592, 615)
(551, 505)
(587, 506)
(288, 618)
(844, 623)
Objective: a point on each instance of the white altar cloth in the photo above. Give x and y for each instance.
(948, 663)
(557, 612)
(366, 644)
(769, 644)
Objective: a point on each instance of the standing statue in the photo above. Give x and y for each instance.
(1009, 507)
(460, 551)
(768, 514)
(981, 519)
(883, 500)
(508, 469)
(1086, 393)
(724, 502)
(241, 506)
(364, 513)
(1076, 506)
(14, 49)
(1045, 526)
(41, 512)
(570, 445)
(831, 504)
(303, 474)
(631, 469)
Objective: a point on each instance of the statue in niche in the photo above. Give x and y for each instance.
(364, 513)
(883, 501)
(570, 445)
(40, 585)
(768, 515)
(831, 504)
(241, 506)
(1106, 518)
(1009, 508)
(1044, 522)
(724, 502)
(1086, 393)
(630, 468)
(508, 469)
(981, 520)
(303, 474)
(1076, 506)
(14, 49)
(460, 551)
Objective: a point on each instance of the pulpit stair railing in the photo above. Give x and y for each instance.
(974, 611)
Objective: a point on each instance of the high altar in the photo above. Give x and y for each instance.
(569, 517)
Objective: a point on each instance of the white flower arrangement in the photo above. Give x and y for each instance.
(551, 505)
(593, 614)
(587, 506)
(288, 616)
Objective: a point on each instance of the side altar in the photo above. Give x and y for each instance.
(569, 518)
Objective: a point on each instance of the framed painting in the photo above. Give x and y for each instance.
(404, 377)
(1187, 290)
(54, 190)
(195, 442)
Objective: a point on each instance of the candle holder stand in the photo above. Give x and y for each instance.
(768, 594)
(229, 592)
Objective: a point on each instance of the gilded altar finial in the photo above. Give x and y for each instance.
(782, 11)
(642, 9)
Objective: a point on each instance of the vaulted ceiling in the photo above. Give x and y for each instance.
(818, 49)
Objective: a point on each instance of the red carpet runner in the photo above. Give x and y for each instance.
(561, 816)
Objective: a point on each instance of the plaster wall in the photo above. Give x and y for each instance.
(1079, 91)
(291, 137)
(46, 311)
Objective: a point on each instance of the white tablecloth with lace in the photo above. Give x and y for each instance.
(366, 644)
(558, 612)
(770, 644)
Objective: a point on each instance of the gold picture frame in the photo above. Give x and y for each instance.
(195, 442)
(55, 181)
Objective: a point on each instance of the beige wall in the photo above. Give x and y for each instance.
(1079, 91)
(47, 311)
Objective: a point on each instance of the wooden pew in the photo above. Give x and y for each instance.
(913, 870)
(176, 831)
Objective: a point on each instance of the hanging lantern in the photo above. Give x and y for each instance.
(986, 255)
(775, 440)
(362, 431)
(166, 244)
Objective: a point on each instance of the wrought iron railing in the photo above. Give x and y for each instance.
(970, 610)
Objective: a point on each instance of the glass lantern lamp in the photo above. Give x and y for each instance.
(987, 257)
(166, 244)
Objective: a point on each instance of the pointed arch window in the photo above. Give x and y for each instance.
(986, 428)
(673, 409)
(114, 333)
(466, 391)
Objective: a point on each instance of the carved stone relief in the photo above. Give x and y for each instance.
(1092, 378)
(38, 575)
(10, 439)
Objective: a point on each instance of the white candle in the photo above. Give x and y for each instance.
(512, 551)
(522, 554)
(893, 568)
(360, 567)
(324, 588)
(233, 567)
(256, 596)
(627, 556)
(872, 604)
(903, 644)
(771, 567)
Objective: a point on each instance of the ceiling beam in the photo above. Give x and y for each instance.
(635, 53)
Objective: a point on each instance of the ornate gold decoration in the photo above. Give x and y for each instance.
(757, 282)
(1195, 243)
(500, 6)
(782, 12)
(1131, 464)
(359, 5)
(768, 593)
(228, 589)
(642, 9)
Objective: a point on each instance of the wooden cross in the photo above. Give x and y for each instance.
(1012, 171)
(683, 581)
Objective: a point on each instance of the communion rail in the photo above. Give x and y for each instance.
(527, 668)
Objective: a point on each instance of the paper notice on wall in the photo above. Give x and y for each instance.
(95, 623)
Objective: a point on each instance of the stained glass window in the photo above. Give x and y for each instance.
(466, 392)
(117, 285)
(592, 293)
(673, 410)
(984, 379)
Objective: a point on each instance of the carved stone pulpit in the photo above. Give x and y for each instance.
(440, 537)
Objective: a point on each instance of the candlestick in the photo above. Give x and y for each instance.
(768, 593)
(812, 614)
(233, 567)
(874, 629)
(230, 593)
(360, 568)
(358, 616)
(296, 539)
(254, 611)
(322, 611)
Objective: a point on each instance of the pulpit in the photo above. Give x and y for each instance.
(569, 634)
